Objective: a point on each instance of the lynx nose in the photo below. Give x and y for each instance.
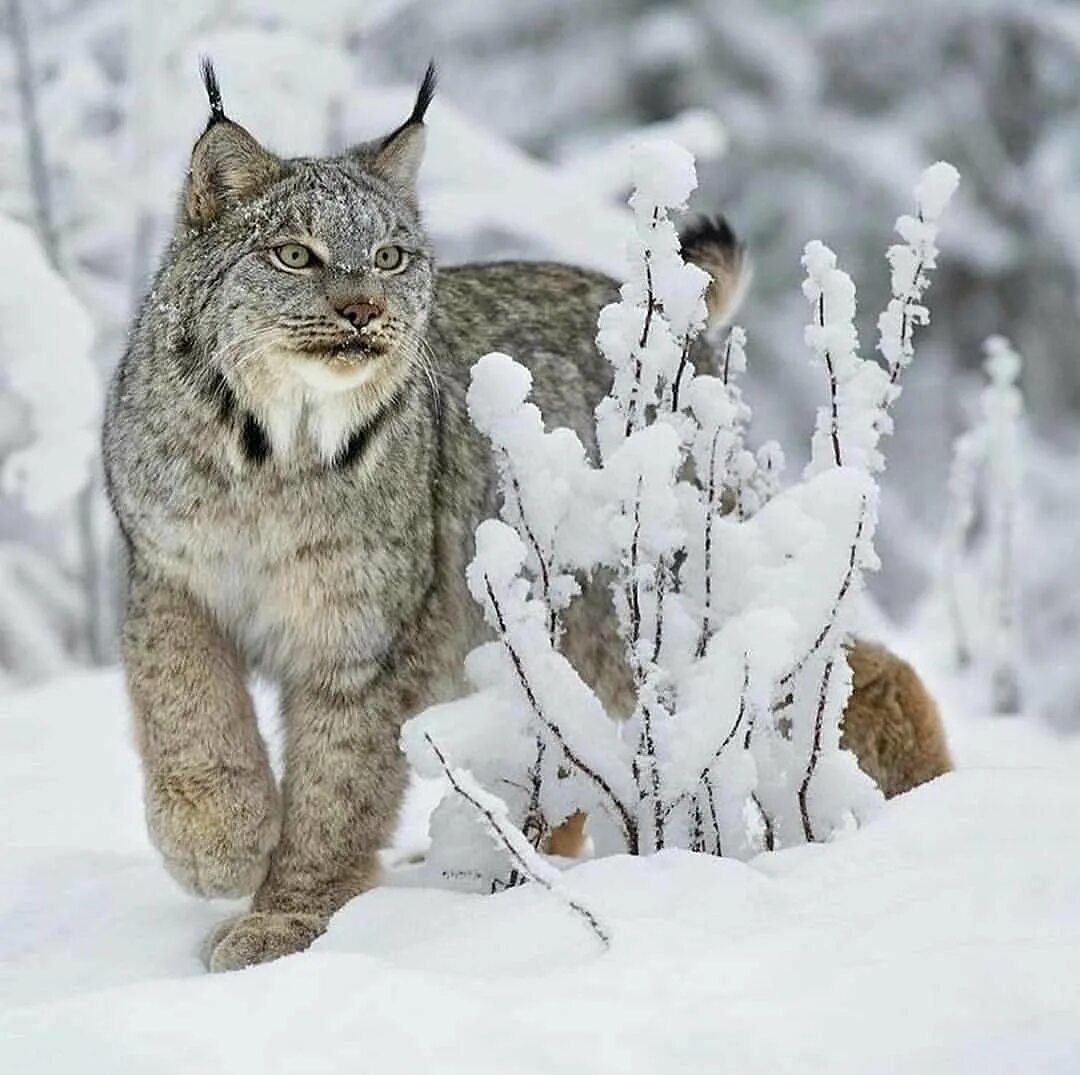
(360, 313)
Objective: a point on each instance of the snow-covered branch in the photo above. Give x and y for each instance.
(910, 263)
(492, 811)
(981, 584)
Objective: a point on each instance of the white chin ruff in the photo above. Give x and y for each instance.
(324, 376)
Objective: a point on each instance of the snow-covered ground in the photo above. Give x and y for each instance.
(944, 937)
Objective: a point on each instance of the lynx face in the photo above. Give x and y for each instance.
(311, 277)
(328, 276)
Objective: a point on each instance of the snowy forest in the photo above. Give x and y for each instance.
(805, 122)
(883, 438)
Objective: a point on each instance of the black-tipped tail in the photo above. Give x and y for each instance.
(712, 245)
(213, 90)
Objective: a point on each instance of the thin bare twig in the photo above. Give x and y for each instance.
(710, 507)
(658, 624)
(633, 591)
(766, 821)
(516, 854)
(545, 569)
(536, 826)
(845, 585)
(697, 826)
(630, 830)
(711, 797)
(684, 361)
(815, 749)
(726, 369)
(835, 431)
(703, 776)
(648, 742)
(634, 402)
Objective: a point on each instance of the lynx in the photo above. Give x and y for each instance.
(298, 483)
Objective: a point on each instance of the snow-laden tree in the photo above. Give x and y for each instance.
(981, 564)
(53, 411)
(735, 599)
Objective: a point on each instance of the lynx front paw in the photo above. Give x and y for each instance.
(214, 828)
(258, 937)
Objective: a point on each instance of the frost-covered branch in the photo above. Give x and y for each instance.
(986, 474)
(542, 476)
(46, 339)
(645, 335)
(45, 217)
(706, 776)
(861, 392)
(846, 433)
(830, 624)
(910, 263)
(524, 857)
(551, 725)
(815, 749)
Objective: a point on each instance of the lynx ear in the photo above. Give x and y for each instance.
(397, 157)
(228, 165)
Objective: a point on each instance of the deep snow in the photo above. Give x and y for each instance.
(944, 937)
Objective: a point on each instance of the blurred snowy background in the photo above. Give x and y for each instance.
(810, 118)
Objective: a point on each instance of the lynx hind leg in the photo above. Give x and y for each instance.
(891, 723)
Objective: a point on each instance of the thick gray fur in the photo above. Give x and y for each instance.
(298, 483)
(298, 497)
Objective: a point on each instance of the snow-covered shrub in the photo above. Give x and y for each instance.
(734, 602)
(735, 599)
(980, 563)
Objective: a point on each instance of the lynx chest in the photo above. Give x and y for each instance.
(300, 574)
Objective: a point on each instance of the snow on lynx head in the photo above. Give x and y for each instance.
(309, 270)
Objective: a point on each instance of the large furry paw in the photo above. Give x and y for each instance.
(215, 828)
(258, 937)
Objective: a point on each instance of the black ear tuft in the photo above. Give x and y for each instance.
(213, 90)
(397, 157)
(424, 97)
(425, 94)
(228, 166)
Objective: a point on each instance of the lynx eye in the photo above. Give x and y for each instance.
(294, 256)
(389, 257)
